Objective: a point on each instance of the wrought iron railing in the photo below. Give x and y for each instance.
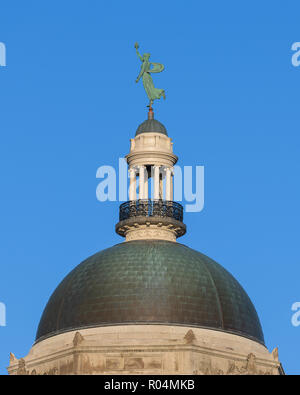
(151, 208)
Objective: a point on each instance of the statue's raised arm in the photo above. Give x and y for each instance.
(136, 46)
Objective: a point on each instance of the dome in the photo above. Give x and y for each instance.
(150, 282)
(151, 126)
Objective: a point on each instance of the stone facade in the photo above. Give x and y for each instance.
(147, 349)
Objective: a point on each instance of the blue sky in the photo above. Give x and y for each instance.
(69, 104)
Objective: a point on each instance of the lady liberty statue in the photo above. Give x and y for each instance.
(145, 73)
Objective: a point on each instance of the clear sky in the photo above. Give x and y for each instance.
(69, 104)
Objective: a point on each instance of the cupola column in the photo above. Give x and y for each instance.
(156, 183)
(168, 184)
(161, 182)
(141, 182)
(132, 184)
(146, 194)
(172, 192)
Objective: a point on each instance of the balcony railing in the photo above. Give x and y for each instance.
(151, 208)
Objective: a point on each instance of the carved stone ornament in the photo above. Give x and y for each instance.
(190, 337)
(78, 338)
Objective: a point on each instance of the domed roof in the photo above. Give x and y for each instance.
(150, 282)
(151, 126)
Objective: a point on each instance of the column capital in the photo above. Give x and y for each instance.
(132, 170)
(141, 167)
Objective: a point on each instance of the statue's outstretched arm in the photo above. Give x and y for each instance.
(136, 46)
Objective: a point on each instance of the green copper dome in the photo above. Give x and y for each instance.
(150, 282)
(151, 126)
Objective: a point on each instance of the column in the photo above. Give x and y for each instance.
(141, 182)
(172, 187)
(132, 184)
(161, 182)
(156, 183)
(146, 194)
(168, 183)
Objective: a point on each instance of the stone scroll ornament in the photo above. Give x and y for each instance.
(147, 69)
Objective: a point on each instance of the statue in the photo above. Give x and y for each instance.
(145, 73)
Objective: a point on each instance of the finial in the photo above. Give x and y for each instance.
(150, 112)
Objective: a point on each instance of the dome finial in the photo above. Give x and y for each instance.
(150, 112)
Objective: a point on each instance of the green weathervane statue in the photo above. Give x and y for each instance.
(145, 73)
